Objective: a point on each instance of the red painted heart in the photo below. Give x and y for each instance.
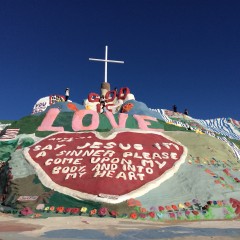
(88, 166)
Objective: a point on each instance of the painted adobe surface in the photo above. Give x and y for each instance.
(109, 169)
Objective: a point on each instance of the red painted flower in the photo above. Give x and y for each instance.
(102, 211)
(68, 210)
(133, 215)
(151, 214)
(195, 212)
(172, 215)
(143, 210)
(93, 212)
(187, 213)
(187, 204)
(75, 210)
(26, 211)
(169, 208)
(161, 208)
(133, 202)
(60, 209)
(113, 214)
(142, 215)
(174, 207)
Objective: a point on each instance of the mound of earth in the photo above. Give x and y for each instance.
(137, 163)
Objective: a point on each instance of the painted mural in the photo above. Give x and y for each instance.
(124, 160)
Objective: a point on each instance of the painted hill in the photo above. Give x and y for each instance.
(129, 162)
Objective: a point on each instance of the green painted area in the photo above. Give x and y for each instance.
(28, 124)
(6, 148)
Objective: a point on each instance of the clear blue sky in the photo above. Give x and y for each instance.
(183, 52)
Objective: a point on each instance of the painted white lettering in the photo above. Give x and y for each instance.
(165, 155)
(49, 162)
(121, 175)
(48, 147)
(37, 148)
(96, 145)
(149, 170)
(127, 154)
(59, 146)
(146, 155)
(173, 155)
(73, 175)
(124, 147)
(110, 145)
(41, 154)
(138, 146)
(160, 165)
(109, 153)
(144, 162)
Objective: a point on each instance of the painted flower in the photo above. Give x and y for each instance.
(169, 208)
(40, 206)
(102, 211)
(142, 215)
(195, 201)
(52, 208)
(179, 214)
(93, 212)
(181, 206)
(224, 202)
(187, 204)
(225, 211)
(142, 210)
(205, 208)
(172, 215)
(113, 214)
(26, 211)
(209, 202)
(75, 210)
(133, 202)
(37, 215)
(187, 213)
(217, 181)
(83, 210)
(133, 215)
(215, 203)
(68, 210)
(153, 209)
(220, 203)
(151, 214)
(174, 207)
(161, 208)
(195, 212)
(60, 209)
(46, 209)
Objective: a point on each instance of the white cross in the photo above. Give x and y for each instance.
(106, 61)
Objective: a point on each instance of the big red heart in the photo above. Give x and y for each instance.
(112, 169)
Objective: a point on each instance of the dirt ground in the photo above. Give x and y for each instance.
(79, 227)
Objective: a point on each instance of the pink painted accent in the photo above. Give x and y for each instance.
(142, 123)
(78, 118)
(122, 120)
(47, 122)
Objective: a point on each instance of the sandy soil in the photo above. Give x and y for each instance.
(34, 228)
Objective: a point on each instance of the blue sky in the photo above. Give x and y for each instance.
(183, 52)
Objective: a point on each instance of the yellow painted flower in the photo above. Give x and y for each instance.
(83, 209)
(46, 209)
(180, 205)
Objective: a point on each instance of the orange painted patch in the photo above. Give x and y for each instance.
(72, 106)
(127, 107)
